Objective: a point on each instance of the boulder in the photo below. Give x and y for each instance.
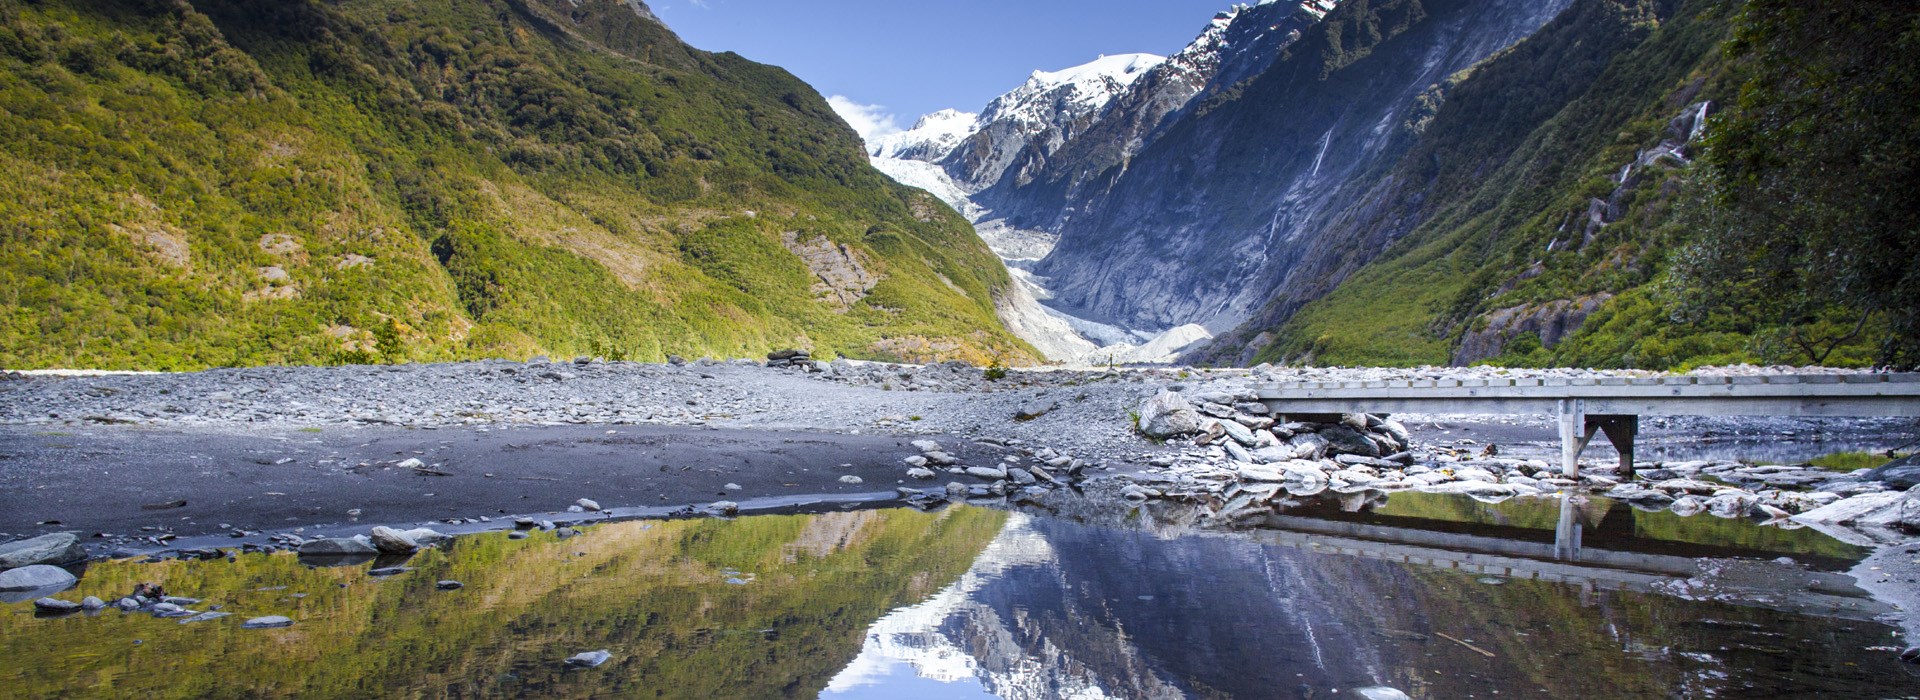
(1900, 474)
(1343, 439)
(34, 577)
(1878, 508)
(1167, 415)
(1035, 409)
(57, 548)
(390, 541)
(1238, 432)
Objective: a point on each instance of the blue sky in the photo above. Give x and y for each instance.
(910, 57)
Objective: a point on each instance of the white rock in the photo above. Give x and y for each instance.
(391, 541)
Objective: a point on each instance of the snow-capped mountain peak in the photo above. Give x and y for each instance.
(931, 138)
(1122, 69)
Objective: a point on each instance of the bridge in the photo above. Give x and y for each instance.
(1584, 407)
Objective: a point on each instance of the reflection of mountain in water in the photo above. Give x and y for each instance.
(1053, 609)
(1057, 609)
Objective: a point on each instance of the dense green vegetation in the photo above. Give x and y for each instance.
(655, 594)
(194, 184)
(1602, 86)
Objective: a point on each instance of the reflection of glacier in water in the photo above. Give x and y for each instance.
(1058, 609)
(910, 650)
(1024, 622)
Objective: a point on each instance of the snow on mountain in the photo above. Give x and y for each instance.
(931, 138)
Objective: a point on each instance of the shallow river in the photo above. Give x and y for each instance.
(1436, 597)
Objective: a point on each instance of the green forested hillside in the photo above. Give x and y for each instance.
(1556, 239)
(222, 182)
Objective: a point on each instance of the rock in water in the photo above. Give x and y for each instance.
(588, 504)
(920, 473)
(850, 479)
(725, 507)
(449, 585)
(329, 546)
(37, 576)
(426, 537)
(55, 605)
(268, 622)
(92, 603)
(57, 548)
(391, 541)
(588, 659)
(1167, 415)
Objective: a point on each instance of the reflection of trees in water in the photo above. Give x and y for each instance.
(652, 592)
(1220, 615)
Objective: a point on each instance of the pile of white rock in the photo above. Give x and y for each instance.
(1030, 473)
(1242, 464)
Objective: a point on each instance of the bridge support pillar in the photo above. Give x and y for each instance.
(1577, 429)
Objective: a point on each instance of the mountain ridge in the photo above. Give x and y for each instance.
(221, 183)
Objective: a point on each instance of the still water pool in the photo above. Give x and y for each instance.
(1436, 597)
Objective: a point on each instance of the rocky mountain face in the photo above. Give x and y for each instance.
(1236, 45)
(1530, 215)
(1232, 196)
(220, 183)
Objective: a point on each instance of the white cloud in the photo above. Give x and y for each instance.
(871, 121)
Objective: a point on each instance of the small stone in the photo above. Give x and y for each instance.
(411, 463)
(449, 585)
(55, 605)
(389, 571)
(920, 473)
(986, 473)
(588, 504)
(588, 659)
(915, 461)
(267, 622)
(732, 486)
(205, 616)
(725, 507)
(1035, 409)
(517, 535)
(92, 603)
(850, 479)
(942, 458)
(926, 446)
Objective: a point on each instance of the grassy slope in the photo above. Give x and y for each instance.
(1411, 304)
(440, 180)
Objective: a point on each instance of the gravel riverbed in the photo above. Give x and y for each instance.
(139, 461)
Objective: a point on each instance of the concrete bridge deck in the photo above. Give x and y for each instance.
(1585, 406)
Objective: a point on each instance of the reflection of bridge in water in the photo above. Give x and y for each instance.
(1607, 558)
